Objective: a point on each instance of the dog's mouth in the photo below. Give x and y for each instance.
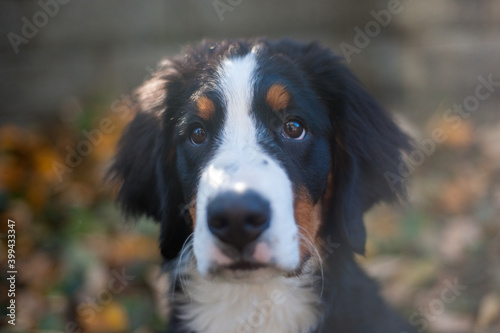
(251, 271)
(245, 265)
(246, 271)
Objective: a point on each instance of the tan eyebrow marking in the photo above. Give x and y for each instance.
(206, 107)
(278, 97)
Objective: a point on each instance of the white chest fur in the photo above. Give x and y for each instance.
(277, 305)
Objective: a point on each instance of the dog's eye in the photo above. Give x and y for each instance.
(294, 130)
(198, 135)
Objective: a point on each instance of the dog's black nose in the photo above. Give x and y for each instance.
(238, 218)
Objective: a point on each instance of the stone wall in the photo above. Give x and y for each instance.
(423, 53)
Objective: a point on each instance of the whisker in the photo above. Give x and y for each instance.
(312, 247)
(178, 270)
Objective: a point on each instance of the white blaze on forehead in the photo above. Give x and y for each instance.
(236, 79)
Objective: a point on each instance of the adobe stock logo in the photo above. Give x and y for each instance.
(221, 7)
(437, 306)
(74, 157)
(88, 310)
(30, 29)
(262, 310)
(455, 117)
(373, 28)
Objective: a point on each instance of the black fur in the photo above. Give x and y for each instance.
(354, 139)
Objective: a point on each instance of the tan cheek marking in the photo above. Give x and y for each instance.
(329, 189)
(278, 97)
(308, 218)
(206, 107)
(192, 211)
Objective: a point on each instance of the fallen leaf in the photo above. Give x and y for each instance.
(112, 318)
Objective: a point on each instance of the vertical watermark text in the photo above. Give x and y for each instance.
(11, 271)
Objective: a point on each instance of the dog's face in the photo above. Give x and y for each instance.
(256, 149)
(253, 159)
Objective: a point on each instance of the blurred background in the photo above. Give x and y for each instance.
(68, 68)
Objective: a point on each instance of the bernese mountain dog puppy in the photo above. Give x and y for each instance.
(258, 158)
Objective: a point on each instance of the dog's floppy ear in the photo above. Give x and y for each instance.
(366, 145)
(135, 167)
(145, 160)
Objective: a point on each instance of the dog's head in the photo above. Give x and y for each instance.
(256, 149)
